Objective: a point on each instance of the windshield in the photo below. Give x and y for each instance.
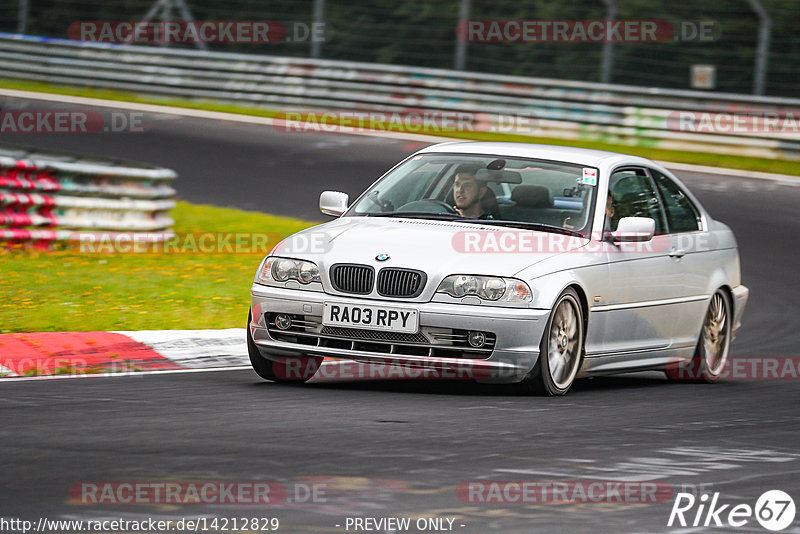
(509, 191)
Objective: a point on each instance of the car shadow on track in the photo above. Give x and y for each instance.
(634, 381)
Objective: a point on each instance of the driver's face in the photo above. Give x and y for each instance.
(466, 190)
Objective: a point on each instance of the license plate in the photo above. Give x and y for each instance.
(371, 317)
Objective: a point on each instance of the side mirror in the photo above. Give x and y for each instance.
(333, 203)
(634, 229)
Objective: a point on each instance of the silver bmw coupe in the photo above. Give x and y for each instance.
(505, 263)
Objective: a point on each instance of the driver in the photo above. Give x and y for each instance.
(469, 192)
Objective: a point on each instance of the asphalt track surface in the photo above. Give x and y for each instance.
(383, 448)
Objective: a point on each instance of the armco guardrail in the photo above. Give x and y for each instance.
(46, 197)
(562, 109)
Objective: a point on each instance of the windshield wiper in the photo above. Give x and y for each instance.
(525, 225)
(415, 215)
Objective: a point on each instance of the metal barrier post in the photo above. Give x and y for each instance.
(22, 16)
(318, 19)
(460, 60)
(762, 52)
(607, 62)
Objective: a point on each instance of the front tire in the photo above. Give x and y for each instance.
(711, 353)
(561, 349)
(291, 370)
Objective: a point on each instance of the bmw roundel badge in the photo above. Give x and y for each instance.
(382, 257)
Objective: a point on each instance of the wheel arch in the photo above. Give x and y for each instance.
(584, 300)
(726, 288)
(719, 280)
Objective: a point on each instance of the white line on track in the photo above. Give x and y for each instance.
(16, 378)
(13, 379)
(267, 121)
(203, 114)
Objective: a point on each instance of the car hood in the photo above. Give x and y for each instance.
(435, 247)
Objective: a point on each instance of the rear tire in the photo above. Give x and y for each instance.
(561, 348)
(711, 353)
(290, 370)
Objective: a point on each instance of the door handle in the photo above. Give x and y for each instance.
(677, 253)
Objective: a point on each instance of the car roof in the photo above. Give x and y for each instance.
(580, 156)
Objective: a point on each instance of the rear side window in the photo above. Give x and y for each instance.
(683, 216)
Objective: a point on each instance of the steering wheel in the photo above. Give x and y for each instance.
(430, 205)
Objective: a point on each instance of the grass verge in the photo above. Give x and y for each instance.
(677, 156)
(69, 291)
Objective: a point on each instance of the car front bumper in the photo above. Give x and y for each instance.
(517, 334)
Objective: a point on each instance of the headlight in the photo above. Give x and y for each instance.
(283, 269)
(486, 287)
(307, 272)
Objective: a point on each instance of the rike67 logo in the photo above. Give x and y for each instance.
(774, 510)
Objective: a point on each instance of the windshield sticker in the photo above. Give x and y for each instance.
(589, 176)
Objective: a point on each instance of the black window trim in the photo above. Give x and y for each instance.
(698, 217)
(653, 184)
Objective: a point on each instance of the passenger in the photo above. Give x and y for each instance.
(609, 213)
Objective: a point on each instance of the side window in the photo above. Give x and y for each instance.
(683, 216)
(633, 195)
